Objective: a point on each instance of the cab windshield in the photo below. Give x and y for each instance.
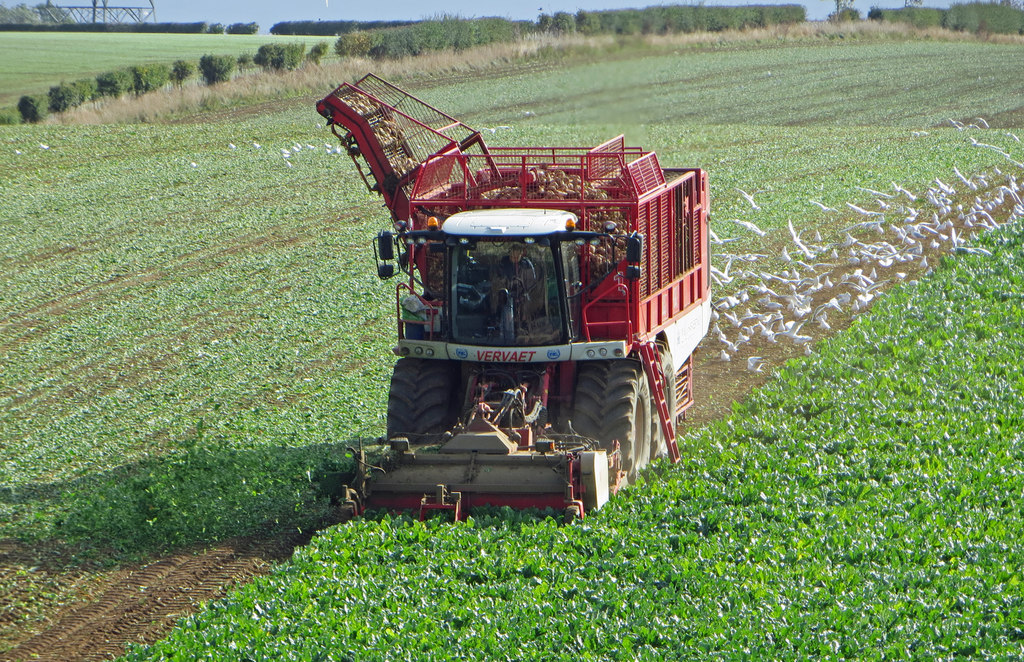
(505, 293)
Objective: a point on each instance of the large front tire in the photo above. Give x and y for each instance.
(421, 399)
(613, 401)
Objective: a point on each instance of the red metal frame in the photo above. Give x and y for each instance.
(629, 187)
(610, 180)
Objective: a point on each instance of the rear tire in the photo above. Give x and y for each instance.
(421, 399)
(612, 402)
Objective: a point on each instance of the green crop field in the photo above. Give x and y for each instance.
(34, 61)
(192, 329)
(865, 505)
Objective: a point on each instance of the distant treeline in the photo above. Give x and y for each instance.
(433, 35)
(976, 17)
(652, 20)
(331, 28)
(681, 18)
(167, 28)
(458, 33)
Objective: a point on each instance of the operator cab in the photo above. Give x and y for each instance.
(510, 277)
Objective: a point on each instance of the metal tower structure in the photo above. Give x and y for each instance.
(102, 12)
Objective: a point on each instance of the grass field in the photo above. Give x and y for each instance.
(192, 327)
(34, 61)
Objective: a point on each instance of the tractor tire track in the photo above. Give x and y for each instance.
(143, 604)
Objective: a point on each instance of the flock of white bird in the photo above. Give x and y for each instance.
(842, 278)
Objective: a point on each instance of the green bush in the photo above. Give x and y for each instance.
(149, 77)
(61, 97)
(182, 70)
(34, 107)
(243, 28)
(69, 95)
(397, 43)
(216, 68)
(318, 51)
(353, 44)
(215, 28)
(280, 56)
(9, 116)
(294, 54)
(245, 60)
(114, 83)
(88, 88)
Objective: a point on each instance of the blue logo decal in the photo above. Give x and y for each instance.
(554, 353)
(461, 352)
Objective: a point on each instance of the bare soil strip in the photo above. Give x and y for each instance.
(142, 604)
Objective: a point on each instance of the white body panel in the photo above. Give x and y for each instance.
(685, 334)
(507, 222)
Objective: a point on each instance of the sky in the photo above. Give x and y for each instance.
(268, 12)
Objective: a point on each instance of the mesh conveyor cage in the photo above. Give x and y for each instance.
(570, 175)
(427, 130)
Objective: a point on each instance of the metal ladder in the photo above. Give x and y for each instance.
(652, 366)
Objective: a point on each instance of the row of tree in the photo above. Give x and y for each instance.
(458, 34)
(976, 17)
(146, 78)
(37, 15)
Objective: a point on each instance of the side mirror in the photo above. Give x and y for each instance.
(385, 271)
(633, 272)
(635, 248)
(386, 246)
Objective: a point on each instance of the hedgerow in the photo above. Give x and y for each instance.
(452, 32)
(919, 17)
(331, 28)
(431, 35)
(985, 17)
(157, 28)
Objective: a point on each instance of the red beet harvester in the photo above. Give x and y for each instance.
(550, 302)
